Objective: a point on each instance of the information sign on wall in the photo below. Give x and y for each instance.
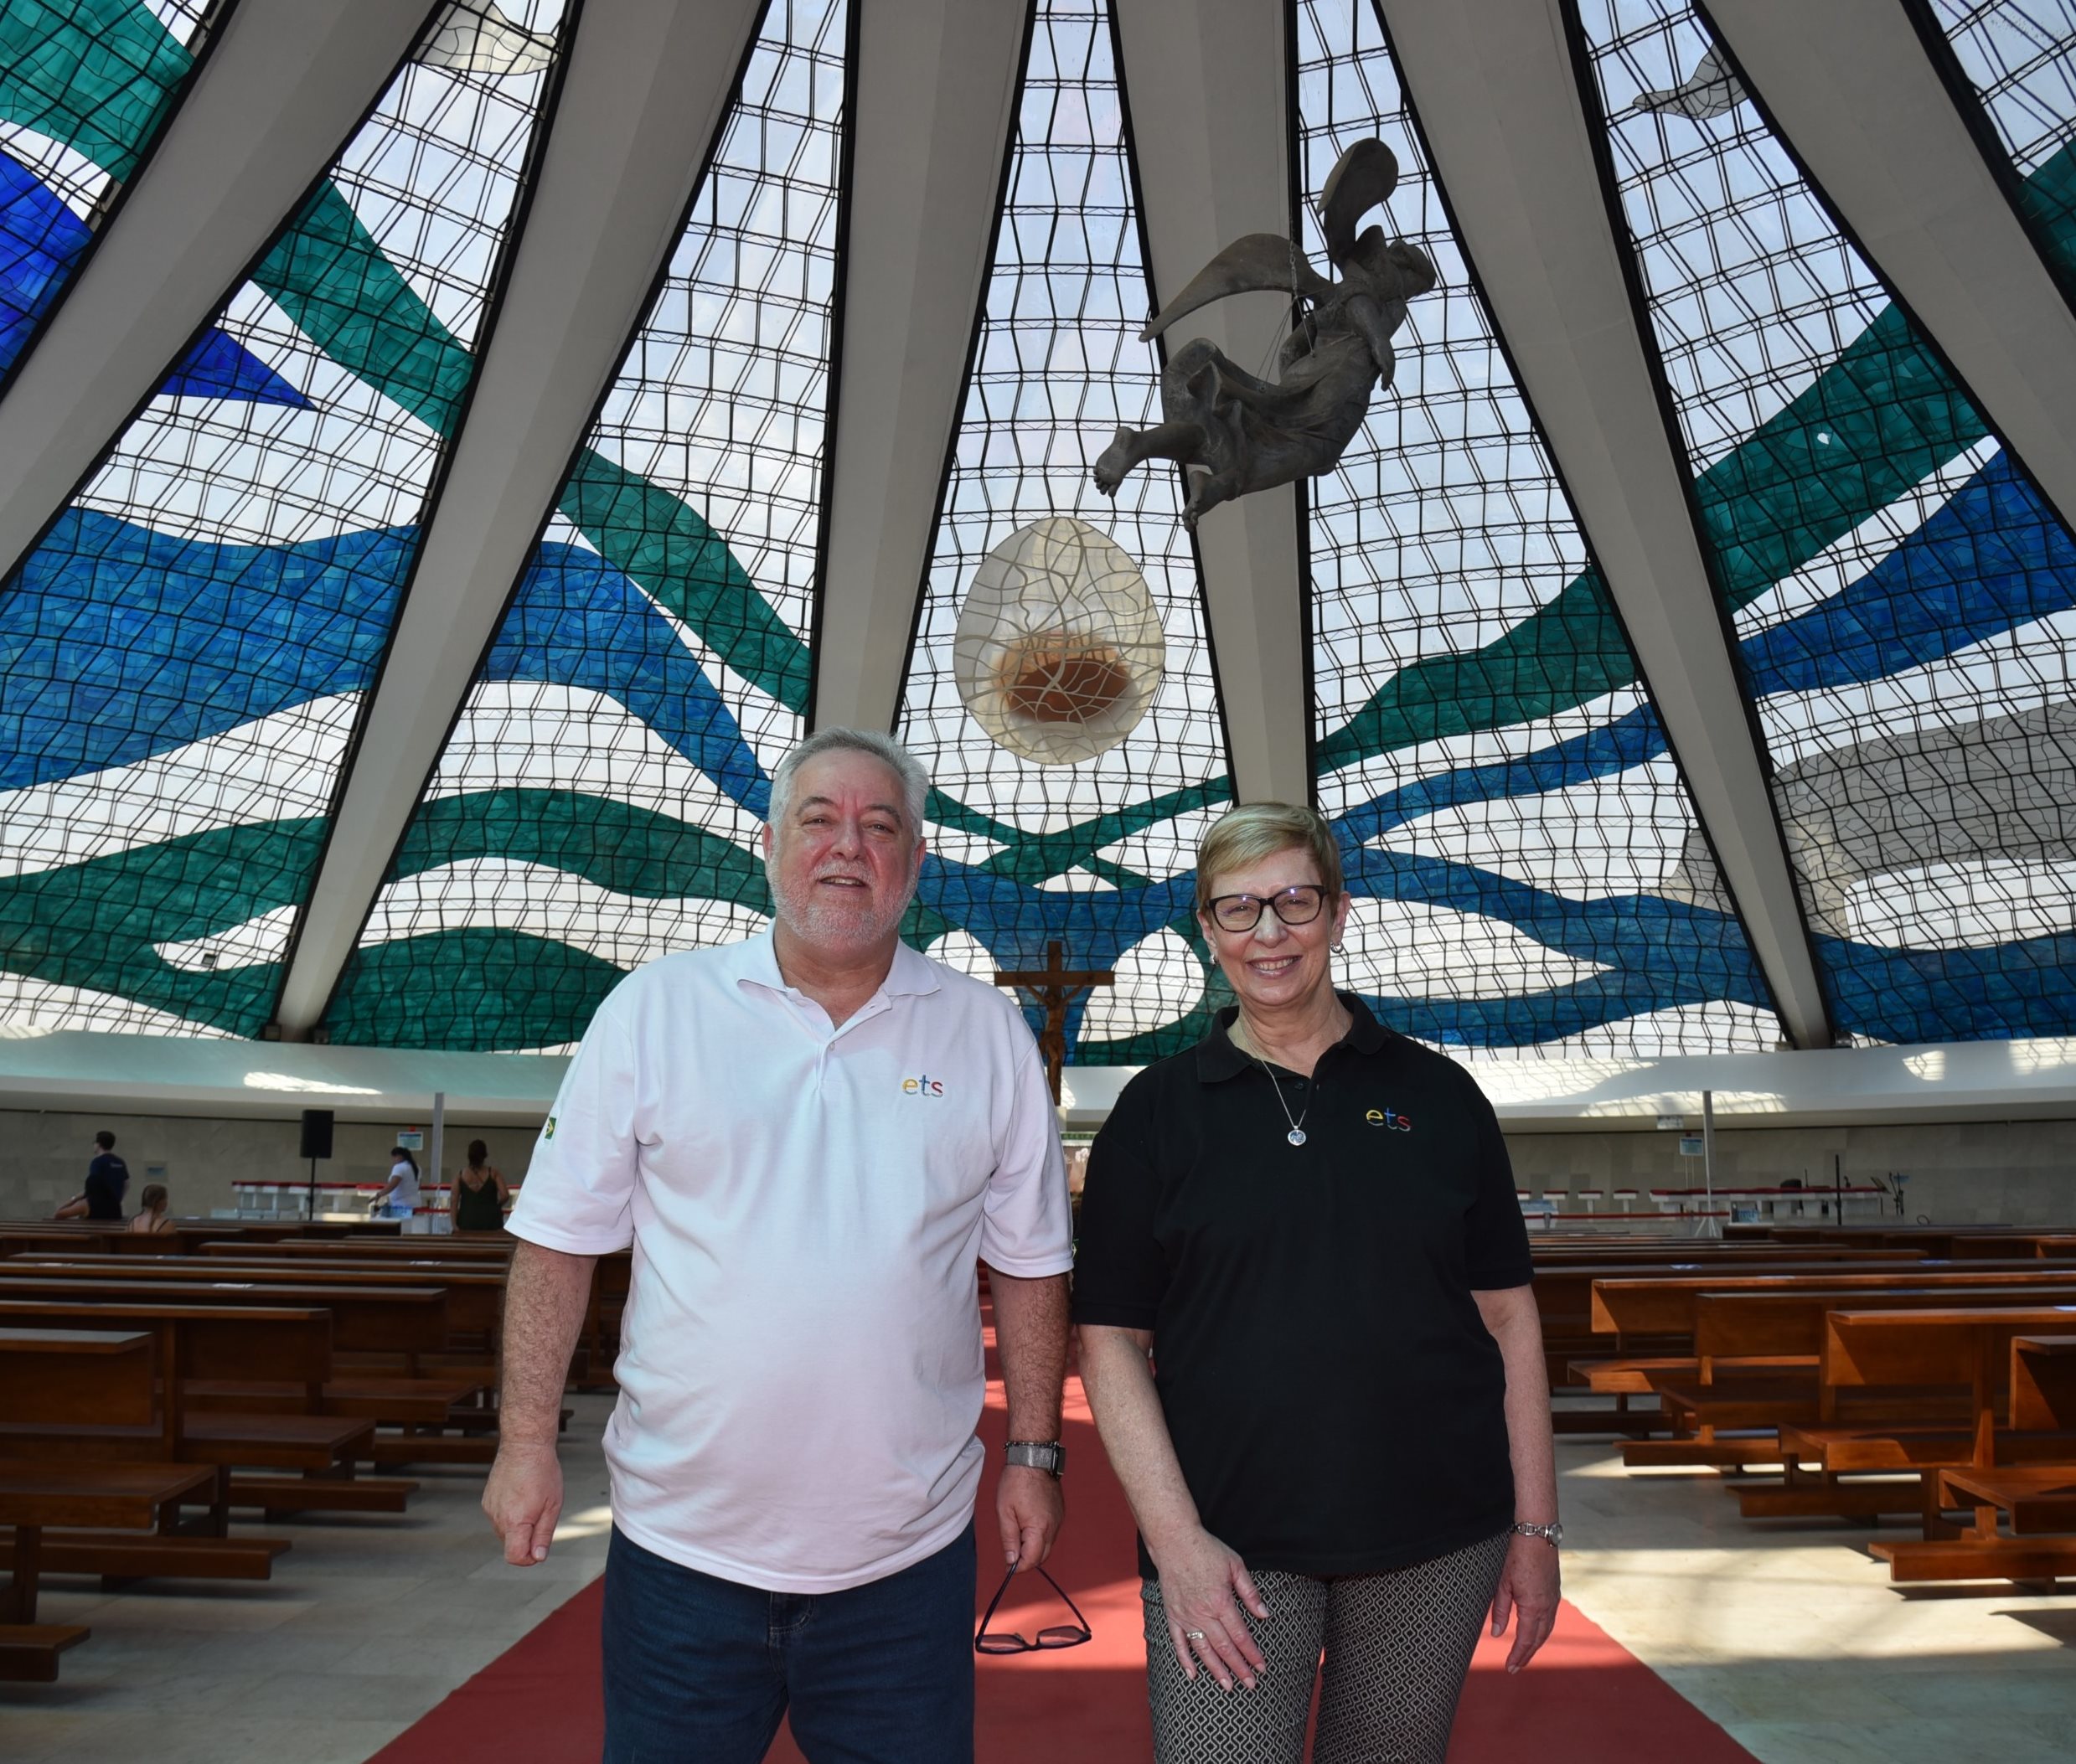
(411, 1138)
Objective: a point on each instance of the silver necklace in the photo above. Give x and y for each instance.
(1296, 1135)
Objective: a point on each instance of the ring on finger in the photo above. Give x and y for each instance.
(1192, 1635)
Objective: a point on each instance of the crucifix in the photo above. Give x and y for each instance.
(1054, 987)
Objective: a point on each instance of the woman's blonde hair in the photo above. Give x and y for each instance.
(1258, 830)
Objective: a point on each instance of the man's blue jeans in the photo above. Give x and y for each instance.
(700, 1670)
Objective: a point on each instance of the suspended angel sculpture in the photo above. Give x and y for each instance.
(1235, 434)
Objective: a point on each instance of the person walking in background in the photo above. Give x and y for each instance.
(479, 1197)
(106, 1177)
(399, 1198)
(812, 1139)
(152, 1216)
(1342, 1442)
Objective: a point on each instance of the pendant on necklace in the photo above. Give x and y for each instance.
(1295, 1136)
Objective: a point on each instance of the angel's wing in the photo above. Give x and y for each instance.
(1712, 90)
(1361, 178)
(1260, 262)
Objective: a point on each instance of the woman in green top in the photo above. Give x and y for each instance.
(479, 1197)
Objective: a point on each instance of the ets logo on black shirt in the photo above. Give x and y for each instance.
(1389, 1119)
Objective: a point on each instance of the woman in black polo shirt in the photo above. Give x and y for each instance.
(1308, 1222)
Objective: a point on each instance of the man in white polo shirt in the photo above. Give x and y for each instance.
(810, 1138)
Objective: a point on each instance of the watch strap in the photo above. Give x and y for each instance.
(1047, 1455)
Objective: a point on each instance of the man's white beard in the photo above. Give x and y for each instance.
(811, 915)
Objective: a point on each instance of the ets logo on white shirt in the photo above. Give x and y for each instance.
(922, 1087)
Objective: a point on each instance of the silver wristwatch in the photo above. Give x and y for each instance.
(1553, 1534)
(1048, 1455)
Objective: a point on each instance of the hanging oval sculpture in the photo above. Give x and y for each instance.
(1059, 648)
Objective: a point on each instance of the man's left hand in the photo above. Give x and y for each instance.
(1030, 1506)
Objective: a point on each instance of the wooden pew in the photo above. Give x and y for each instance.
(1663, 1306)
(251, 1334)
(474, 1274)
(1652, 1318)
(89, 1378)
(1704, 1415)
(1565, 1296)
(2014, 1244)
(1956, 1347)
(31, 1240)
(2043, 1383)
(1953, 1346)
(474, 1294)
(1545, 1253)
(54, 1371)
(84, 1445)
(391, 1320)
(1784, 1330)
(1576, 1360)
(2038, 1499)
(2033, 1497)
(496, 1250)
(386, 1322)
(597, 1341)
(474, 1297)
(1937, 1238)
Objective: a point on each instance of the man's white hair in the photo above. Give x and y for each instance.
(903, 764)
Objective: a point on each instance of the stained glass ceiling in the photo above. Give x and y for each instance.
(599, 800)
(88, 88)
(1098, 855)
(190, 649)
(2016, 61)
(1528, 869)
(191, 642)
(1901, 596)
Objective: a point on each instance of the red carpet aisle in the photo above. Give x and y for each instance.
(1586, 1701)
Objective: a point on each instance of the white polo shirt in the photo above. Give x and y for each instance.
(800, 1363)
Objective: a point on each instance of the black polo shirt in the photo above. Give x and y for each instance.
(1334, 1398)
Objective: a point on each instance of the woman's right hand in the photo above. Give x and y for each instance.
(1203, 1584)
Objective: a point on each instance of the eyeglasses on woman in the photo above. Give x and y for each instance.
(1297, 904)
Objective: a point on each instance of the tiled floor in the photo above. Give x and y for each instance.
(1792, 1638)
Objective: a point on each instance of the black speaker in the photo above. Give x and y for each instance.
(317, 1133)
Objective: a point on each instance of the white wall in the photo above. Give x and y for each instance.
(1958, 1173)
(1961, 1172)
(44, 1155)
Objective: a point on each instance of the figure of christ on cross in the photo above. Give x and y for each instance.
(1054, 987)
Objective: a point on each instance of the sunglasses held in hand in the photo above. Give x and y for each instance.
(1006, 1641)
